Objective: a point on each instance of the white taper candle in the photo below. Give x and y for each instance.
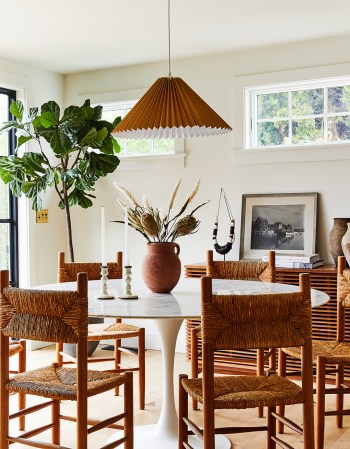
(126, 238)
(103, 237)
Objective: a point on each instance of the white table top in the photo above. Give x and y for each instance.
(183, 302)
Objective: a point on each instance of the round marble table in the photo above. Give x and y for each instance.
(168, 310)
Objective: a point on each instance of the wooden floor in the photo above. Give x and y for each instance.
(102, 404)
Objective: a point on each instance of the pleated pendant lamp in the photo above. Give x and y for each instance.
(170, 109)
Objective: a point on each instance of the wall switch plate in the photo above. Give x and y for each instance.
(42, 216)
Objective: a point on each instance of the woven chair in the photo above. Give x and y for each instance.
(250, 321)
(240, 270)
(335, 353)
(67, 272)
(55, 316)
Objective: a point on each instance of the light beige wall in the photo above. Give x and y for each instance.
(215, 79)
(39, 243)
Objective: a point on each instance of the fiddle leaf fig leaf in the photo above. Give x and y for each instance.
(34, 162)
(30, 117)
(8, 126)
(60, 142)
(23, 139)
(16, 109)
(101, 164)
(89, 137)
(80, 198)
(47, 119)
(53, 108)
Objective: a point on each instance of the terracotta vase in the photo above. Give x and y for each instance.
(335, 237)
(345, 244)
(161, 266)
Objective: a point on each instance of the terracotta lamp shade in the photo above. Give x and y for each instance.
(170, 109)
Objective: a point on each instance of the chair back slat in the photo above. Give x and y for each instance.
(256, 321)
(242, 269)
(44, 315)
(67, 271)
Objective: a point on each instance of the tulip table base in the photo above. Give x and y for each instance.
(164, 434)
(149, 437)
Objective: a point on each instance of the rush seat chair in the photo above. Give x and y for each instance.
(239, 270)
(67, 272)
(329, 357)
(242, 322)
(56, 316)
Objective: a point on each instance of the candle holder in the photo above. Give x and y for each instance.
(127, 279)
(104, 276)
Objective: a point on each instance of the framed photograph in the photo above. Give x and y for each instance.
(284, 222)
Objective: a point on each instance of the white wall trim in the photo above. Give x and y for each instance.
(291, 155)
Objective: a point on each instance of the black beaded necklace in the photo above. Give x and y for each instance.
(224, 249)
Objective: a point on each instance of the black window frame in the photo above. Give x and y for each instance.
(12, 220)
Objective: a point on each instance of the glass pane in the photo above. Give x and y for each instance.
(307, 102)
(307, 130)
(111, 115)
(339, 99)
(3, 118)
(163, 146)
(273, 133)
(4, 201)
(138, 147)
(4, 246)
(273, 105)
(338, 128)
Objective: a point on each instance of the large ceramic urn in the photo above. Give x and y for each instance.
(161, 266)
(335, 237)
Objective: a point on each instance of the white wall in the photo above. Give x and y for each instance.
(217, 79)
(39, 243)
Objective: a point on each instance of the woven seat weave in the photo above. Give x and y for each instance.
(244, 270)
(333, 351)
(60, 383)
(103, 331)
(69, 271)
(15, 348)
(241, 392)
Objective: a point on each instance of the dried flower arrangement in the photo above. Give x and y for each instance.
(153, 223)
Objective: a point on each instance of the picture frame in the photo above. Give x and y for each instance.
(284, 222)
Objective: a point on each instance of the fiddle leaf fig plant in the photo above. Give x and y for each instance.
(74, 151)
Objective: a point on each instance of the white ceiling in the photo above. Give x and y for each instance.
(75, 35)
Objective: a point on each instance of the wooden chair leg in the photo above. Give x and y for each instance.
(22, 357)
(129, 410)
(282, 359)
(116, 361)
(320, 402)
(194, 361)
(59, 350)
(5, 404)
(142, 369)
(183, 413)
(271, 428)
(339, 398)
(56, 430)
(260, 372)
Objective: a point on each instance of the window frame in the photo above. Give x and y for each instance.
(12, 220)
(251, 114)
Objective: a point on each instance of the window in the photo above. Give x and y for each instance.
(8, 203)
(136, 147)
(298, 113)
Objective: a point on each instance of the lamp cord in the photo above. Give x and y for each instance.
(169, 38)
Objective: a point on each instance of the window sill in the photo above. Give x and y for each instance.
(289, 155)
(165, 162)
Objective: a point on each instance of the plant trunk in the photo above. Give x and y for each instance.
(69, 223)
